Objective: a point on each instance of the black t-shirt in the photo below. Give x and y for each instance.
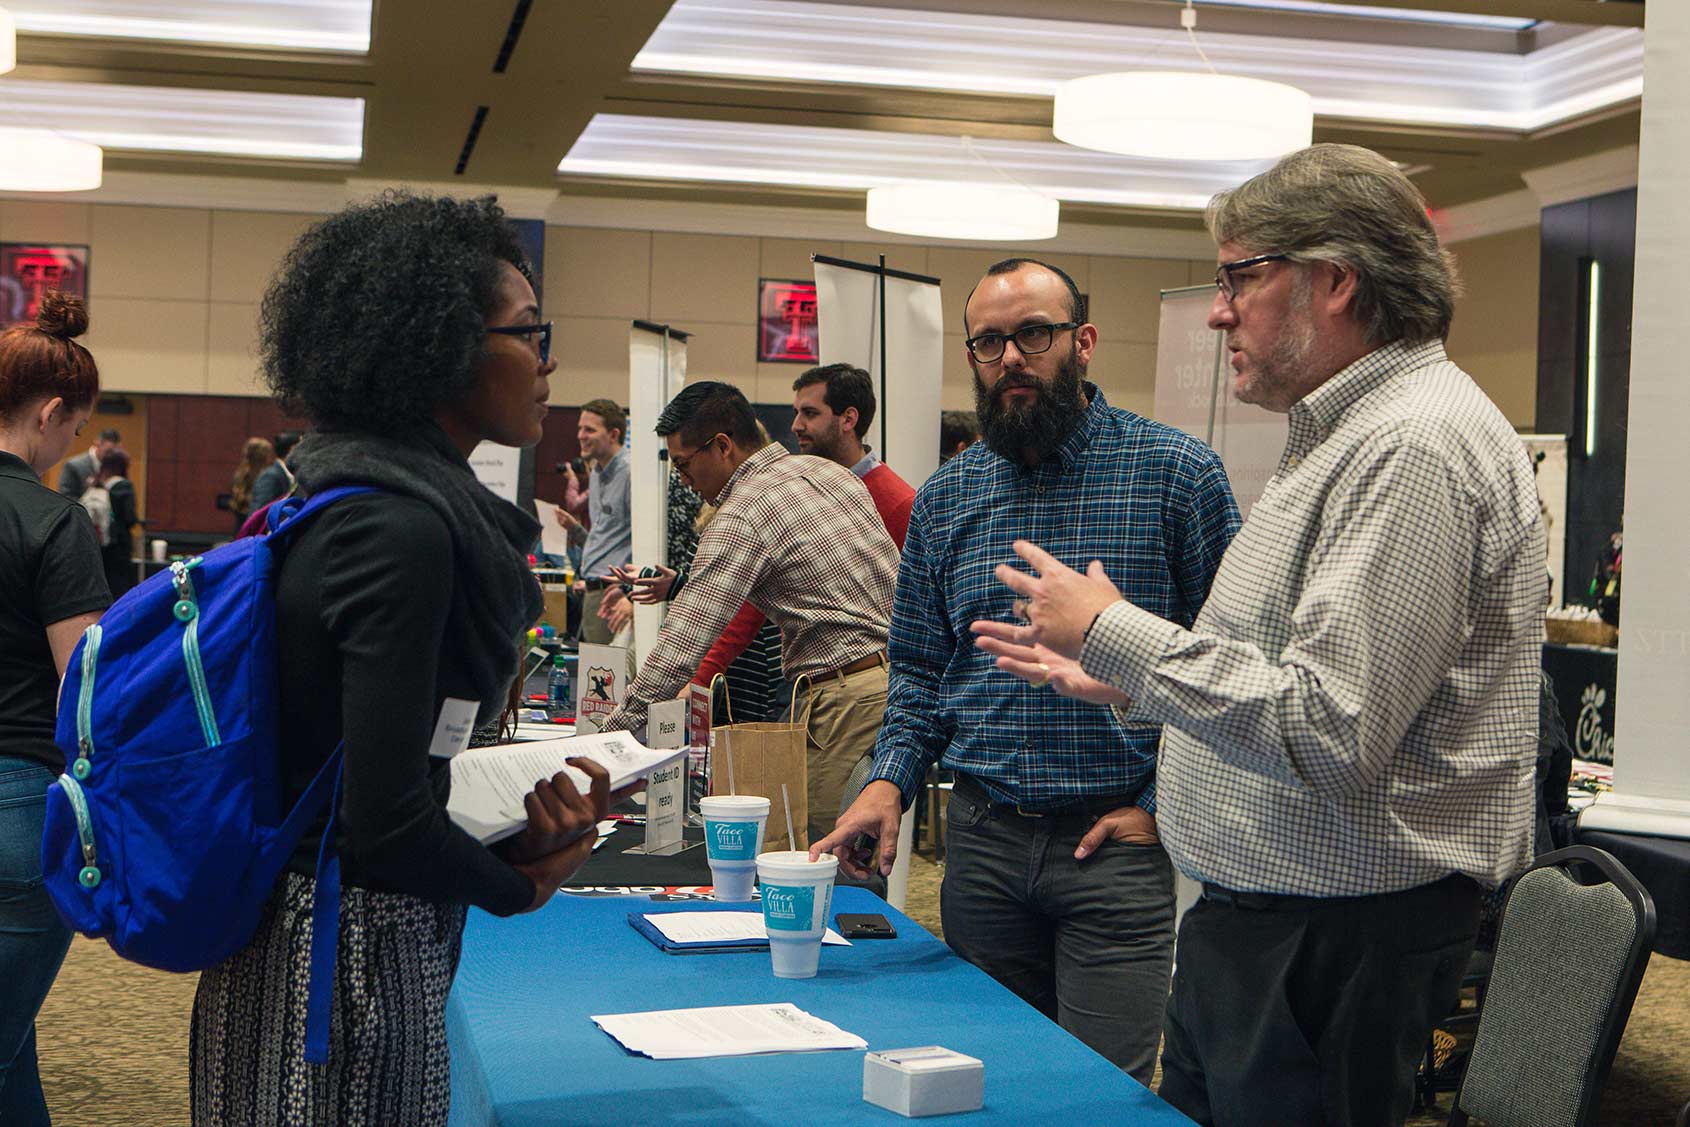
(364, 603)
(50, 570)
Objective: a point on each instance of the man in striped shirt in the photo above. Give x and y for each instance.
(1351, 724)
(1055, 882)
(799, 539)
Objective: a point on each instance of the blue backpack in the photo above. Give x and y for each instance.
(167, 831)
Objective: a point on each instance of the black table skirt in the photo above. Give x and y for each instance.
(1662, 864)
(612, 866)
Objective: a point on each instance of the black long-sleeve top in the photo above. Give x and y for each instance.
(364, 604)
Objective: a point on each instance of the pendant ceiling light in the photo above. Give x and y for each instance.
(8, 41)
(1184, 115)
(35, 160)
(1005, 212)
(981, 212)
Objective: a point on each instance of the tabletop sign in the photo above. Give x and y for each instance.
(666, 792)
(601, 684)
(698, 748)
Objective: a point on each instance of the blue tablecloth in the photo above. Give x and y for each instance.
(526, 1053)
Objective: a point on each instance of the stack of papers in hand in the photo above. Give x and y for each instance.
(725, 1031)
(490, 783)
(690, 932)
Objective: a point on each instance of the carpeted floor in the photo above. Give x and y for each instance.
(114, 1038)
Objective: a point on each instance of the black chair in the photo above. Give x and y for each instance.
(1551, 1023)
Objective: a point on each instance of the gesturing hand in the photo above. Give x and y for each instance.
(1039, 665)
(647, 589)
(1058, 603)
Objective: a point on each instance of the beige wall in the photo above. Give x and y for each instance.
(1494, 336)
(173, 292)
(174, 301)
(598, 280)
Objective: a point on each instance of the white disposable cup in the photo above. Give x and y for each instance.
(733, 836)
(159, 548)
(797, 897)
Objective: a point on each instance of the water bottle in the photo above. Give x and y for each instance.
(560, 700)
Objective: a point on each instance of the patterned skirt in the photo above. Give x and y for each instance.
(387, 1042)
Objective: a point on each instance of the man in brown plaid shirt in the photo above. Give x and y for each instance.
(799, 538)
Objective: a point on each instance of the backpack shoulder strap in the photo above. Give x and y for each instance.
(293, 513)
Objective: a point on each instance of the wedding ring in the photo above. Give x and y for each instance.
(1044, 677)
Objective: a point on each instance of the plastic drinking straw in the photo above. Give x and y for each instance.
(727, 746)
(786, 800)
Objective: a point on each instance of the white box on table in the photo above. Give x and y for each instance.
(929, 1080)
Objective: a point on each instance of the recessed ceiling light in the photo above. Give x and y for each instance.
(307, 25)
(1406, 15)
(685, 149)
(846, 44)
(174, 119)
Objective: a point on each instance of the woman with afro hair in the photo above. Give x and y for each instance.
(406, 329)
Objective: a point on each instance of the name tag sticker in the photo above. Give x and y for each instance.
(452, 730)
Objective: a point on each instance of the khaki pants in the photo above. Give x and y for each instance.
(842, 717)
(593, 628)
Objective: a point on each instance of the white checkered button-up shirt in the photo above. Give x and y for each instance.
(799, 538)
(1355, 709)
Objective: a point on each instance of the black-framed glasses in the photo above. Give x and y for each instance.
(544, 328)
(682, 461)
(1228, 285)
(1030, 340)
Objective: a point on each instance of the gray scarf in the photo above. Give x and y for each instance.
(498, 598)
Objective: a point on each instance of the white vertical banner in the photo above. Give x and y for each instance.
(1548, 453)
(905, 431)
(1194, 393)
(657, 367)
(1651, 783)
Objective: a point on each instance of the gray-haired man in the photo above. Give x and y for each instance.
(1350, 723)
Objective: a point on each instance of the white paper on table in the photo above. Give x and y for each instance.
(490, 783)
(721, 927)
(605, 830)
(725, 1031)
(554, 538)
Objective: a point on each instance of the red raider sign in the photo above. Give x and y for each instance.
(786, 322)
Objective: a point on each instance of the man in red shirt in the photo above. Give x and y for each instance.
(832, 408)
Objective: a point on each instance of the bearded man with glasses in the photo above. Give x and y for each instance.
(1055, 882)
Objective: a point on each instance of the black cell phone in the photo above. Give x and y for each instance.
(864, 925)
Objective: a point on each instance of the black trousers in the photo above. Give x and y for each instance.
(1300, 1010)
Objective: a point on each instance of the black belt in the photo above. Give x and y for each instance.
(1089, 806)
(1285, 902)
(599, 583)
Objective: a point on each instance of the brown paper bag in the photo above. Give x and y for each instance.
(763, 757)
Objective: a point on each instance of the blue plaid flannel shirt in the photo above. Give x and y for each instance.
(1150, 501)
